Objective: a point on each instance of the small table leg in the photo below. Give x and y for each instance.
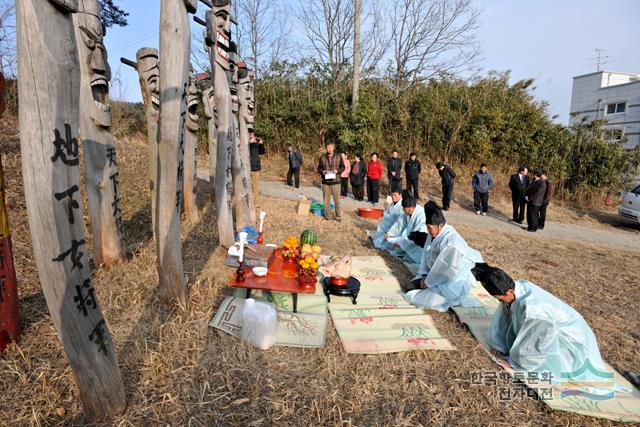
(295, 302)
(248, 293)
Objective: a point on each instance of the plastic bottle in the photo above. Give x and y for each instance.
(259, 323)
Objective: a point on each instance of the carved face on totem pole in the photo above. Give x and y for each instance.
(233, 76)
(147, 60)
(66, 6)
(94, 55)
(219, 24)
(193, 94)
(208, 99)
(246, 95)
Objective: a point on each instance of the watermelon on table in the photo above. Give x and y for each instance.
(308, 236)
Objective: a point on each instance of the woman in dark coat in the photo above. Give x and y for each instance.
(357, 174)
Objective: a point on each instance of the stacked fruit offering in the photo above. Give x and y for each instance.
(309, 264)
(291, 248)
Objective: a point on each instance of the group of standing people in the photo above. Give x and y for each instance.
(534, 195)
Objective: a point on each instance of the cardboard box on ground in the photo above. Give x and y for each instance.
(304, 205)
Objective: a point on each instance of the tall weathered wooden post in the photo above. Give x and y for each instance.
(209, 104)
(98, 144)
(191, 151)
(149, 74)
(174, 72)
(9, 301)
(48, 114)
(242, 193)
(245, 84)
(218, 21)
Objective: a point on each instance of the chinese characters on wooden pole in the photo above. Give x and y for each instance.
(49, 91)
(98, 144)
(174, 72)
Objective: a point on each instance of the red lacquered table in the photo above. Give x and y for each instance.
(281, 277)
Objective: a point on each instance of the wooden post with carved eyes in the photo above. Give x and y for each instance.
(149, 75)
(218, 22)
(174, 80)
(49, 91)
(191, 151)
(242, 193)
(245, 84)
(206, 86)
(98, 143)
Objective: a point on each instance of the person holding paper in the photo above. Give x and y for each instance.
(444, 277)
(397, 241)
(389, 218)
(537, 332)
(330, 166)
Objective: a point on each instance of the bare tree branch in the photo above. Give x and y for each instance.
(431, 38)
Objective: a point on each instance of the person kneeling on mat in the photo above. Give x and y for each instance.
(444, 277)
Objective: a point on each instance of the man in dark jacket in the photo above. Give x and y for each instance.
(394, 173)
(448, 177)
(481, 183)
(295, 161)
(412, 169)
(542, 217)
(518, 184)
(357, 174)
(535, 198)
(256, 149)
(330, 166)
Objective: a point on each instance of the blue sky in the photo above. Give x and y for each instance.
(548, 40)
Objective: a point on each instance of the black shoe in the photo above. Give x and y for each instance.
(520, 222)
(531, 230)
(541, 228)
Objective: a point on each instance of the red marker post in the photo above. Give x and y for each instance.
(9, 314)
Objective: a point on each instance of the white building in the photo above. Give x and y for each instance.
(614, 97)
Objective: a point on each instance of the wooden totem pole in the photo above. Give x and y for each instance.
(98, 143)
(48, 114)
(218, 22)
(9, 302)
(149, 74)
(246, 127)
(191, 151)
(209, 104)
(174, 80)
(242, 193)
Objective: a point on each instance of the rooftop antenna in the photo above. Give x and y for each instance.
(600, 59)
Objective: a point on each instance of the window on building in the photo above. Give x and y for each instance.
(616, 108)
(614, 135)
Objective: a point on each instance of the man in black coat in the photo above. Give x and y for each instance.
(412, 169)
(448, 177)
(394, 173)
(535, 198)
(256, 149)
(519, 183)
(294, 156)
(545, 201)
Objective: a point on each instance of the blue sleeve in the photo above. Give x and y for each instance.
(490, 181)
(474, 181)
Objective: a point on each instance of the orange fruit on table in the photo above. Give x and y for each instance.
(316, 249)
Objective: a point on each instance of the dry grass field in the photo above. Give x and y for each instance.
(178, 371)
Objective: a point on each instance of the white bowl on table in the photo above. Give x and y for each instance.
(260, 271)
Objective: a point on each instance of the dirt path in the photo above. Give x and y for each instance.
(621, 238)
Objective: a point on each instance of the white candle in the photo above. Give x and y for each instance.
(243, 240)
(262, 215)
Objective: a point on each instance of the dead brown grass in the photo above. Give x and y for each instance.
(178, 371)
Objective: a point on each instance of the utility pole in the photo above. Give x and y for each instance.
(356, 54)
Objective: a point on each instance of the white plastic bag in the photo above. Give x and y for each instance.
(259, 323)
